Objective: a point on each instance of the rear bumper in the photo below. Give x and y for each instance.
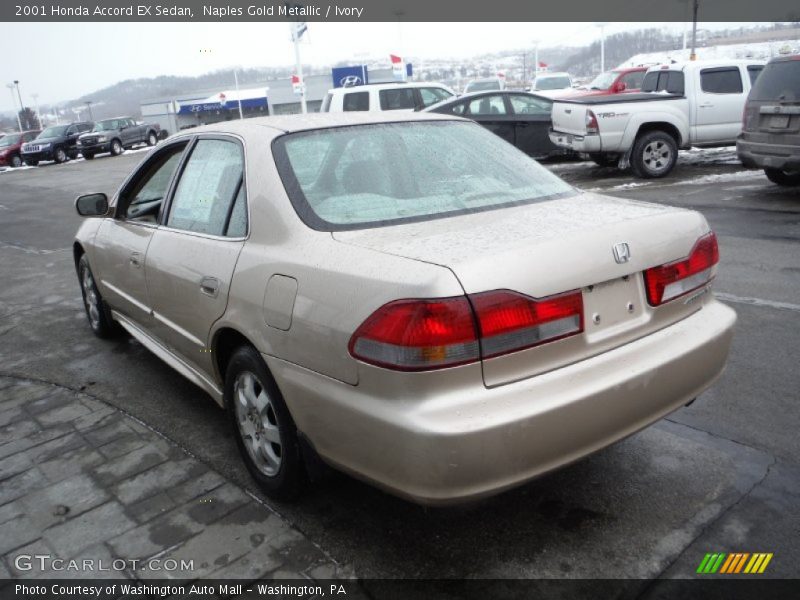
(461, 442)
(775, 156)
(576, 143)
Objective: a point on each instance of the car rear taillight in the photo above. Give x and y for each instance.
(420, 335)
(417, 335)
(591, 122)
(509, 321)
(678, 278)
(750, 117)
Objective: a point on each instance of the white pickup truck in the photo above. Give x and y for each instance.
(681, 105)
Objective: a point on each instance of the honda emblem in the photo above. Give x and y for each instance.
(622, 253)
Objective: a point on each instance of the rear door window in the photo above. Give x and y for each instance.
(205, 194)
(397, 98)
(356, 101)
(754, 71)
(664, 81)
(725, 80)
(530, 105)
(488, 105)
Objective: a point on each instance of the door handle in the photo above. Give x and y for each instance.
(136, 259)
(706, 105)
(522, 123)
(210, 286)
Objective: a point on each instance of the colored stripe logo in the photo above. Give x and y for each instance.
(733, 563)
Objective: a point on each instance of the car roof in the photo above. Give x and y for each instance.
(480, 94)
(292, 123)
(681, 65)
(552, 74)
(388, 85)
(785, 58)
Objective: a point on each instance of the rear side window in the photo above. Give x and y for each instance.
(530, 105)
(204, 198)
(356, 101)
(397, 99)
(754, 71)
(779, 81)
(488, 105)
(727, 80)
(664, 81)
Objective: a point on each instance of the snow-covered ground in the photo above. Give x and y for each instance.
(756, 50)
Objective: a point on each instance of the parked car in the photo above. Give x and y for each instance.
(11, 145)
(115, 135)
(616, 81)
(404, 296)
(56, 143)
(552, 84)
(520, 118)
(485, 85)
(770, 137)
(697, 103)
(385, 96)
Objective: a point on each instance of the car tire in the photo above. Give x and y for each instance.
(264, 430)
(152, 138)
(116, 148)
(16, 161)
(97, 313)
(87, 155)
(60, 155)
(654, 155)
(31, 162)
(605, 160)
(789, 179)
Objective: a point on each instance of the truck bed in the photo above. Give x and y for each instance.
(620, 98)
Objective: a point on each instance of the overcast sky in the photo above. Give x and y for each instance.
(62, 61)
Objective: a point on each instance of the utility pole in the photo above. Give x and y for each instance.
(602, 27)
(10, 87)
(89, 106)
(238, 95)
(21, 107)
(695, 6)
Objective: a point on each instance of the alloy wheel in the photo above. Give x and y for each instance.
(90, 299)
(258, 423)
(657, 156)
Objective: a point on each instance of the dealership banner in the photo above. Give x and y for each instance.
(394, 10)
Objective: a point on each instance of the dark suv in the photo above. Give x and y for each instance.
(56, 143)
(770, 137)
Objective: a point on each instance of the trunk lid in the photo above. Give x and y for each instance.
(550, 248)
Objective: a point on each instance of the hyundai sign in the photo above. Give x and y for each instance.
(349, 76)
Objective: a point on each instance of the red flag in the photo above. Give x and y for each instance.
(543, 65)
(396, 60)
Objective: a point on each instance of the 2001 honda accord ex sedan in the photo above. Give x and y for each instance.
(407, 297)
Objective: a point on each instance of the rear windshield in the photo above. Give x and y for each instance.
(482, 86)
(551, 83)
(663, 81)
(779, 81)
(368, 176)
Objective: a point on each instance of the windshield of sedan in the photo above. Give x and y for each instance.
(374, 175)
(551, 83)
(482, 86)
(10, 140)
(53, 132)
(603, 81)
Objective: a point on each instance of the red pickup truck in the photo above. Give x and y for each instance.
(615, 81)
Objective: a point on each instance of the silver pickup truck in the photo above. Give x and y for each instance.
(115, 135)
(681, 105)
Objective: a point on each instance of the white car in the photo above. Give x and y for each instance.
(551, 84)
(385, 96)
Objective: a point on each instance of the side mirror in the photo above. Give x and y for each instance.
(92, 205)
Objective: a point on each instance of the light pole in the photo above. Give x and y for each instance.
(21, 106)
(38, 113)
(602, 27)
(89, 106)
(695, 6)
(10, 87)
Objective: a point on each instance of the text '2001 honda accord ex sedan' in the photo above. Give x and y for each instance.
(409, 298)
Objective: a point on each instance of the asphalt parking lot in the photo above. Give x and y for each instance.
(720, 475)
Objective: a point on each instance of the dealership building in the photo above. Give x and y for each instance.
(273, 97)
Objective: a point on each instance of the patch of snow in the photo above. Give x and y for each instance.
(726, 177)
(752, 50)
